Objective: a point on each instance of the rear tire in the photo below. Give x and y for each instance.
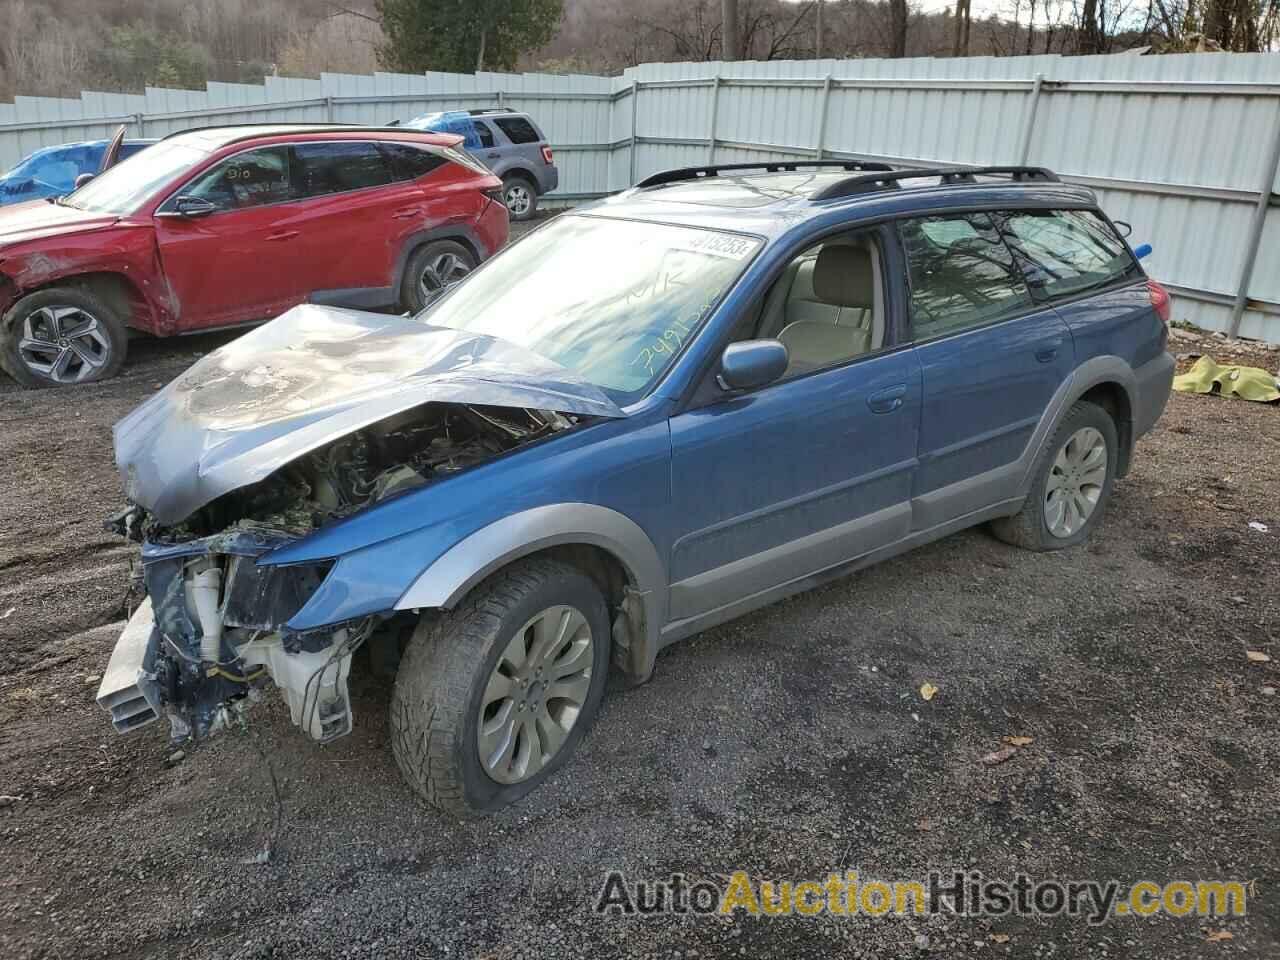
(1071, 483)
(62, 336)
(431, 269)
(520, 196)
(461, 687)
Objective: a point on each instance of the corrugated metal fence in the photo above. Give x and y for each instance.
(1183, 147)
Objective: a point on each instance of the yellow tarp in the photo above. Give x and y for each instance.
(1247, 383)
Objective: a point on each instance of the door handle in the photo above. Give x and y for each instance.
(493, 156)
(283, 235)
(1047, 351)
(887, 400)
(408, 213)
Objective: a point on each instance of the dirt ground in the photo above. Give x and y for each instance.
(790, 743)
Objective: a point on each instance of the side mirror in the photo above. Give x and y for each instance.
(194, 207)
(82, 180)
(752, 363)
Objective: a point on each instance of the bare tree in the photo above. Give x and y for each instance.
(1089, 32)
(897, 28)
(729, 48)
(963, 23)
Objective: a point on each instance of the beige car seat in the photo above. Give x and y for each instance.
(833, 311)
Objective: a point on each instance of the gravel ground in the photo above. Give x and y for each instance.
(790, 743)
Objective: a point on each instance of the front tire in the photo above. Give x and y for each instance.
(493, 696)
(1071, 483)
(62, 336)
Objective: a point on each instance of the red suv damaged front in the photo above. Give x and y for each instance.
(228, 226)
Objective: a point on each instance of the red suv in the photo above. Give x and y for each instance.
(233, 225)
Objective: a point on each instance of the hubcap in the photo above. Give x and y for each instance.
(64, 344)
(1075, 482)
(518, 199)
(535, 694)
(442, 271)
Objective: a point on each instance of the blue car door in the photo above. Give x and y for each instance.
(778, 484)
(991, 360)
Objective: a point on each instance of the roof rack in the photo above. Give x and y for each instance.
(481, 111)
(874, 182)
(782, 166)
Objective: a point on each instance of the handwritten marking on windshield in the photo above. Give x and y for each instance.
(654, 354)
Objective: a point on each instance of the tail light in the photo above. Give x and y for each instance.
(546, 154)
(1159, 301)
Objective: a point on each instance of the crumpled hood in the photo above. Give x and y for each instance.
(309, 377)
(38, 219)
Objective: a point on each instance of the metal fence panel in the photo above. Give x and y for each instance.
(1179, 146)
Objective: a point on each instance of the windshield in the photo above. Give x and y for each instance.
(611, 300)
(130, 183)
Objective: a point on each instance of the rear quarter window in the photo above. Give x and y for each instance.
(409, 162)
(1065, 252)
(518, 129)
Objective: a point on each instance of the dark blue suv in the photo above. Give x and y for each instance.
(647, 417)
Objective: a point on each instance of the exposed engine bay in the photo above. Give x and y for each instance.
(213, 627)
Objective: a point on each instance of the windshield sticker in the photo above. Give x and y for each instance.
(725, 245)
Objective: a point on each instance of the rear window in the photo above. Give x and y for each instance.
(518, 129)
(1067, 251)
(336, 166)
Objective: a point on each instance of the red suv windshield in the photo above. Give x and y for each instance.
(130, 183)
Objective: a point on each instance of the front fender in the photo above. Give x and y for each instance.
(362, 582)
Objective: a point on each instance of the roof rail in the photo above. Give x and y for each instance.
(298, 127)
(481, 111)
(781, 166)
(873, 182)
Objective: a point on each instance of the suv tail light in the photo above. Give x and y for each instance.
(1159, 301)
(546, 153)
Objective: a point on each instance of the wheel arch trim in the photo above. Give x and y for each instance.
(459, 569)
(415, 241)
(1091, 373)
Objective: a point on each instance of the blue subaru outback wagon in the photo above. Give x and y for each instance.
(656, 413)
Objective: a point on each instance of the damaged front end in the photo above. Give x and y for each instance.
(302, 423)
(213, 629)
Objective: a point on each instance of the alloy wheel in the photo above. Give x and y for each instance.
(535, 694)
(517, 199)
(1075, 482)
(441, 272)
(64, 344)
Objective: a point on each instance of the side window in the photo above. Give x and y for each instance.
(1066, 251)
(962, 274)
(249, 179)
(485, 134)
(518, 129)
(409, 162)
(337, 166)
(827, 306)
